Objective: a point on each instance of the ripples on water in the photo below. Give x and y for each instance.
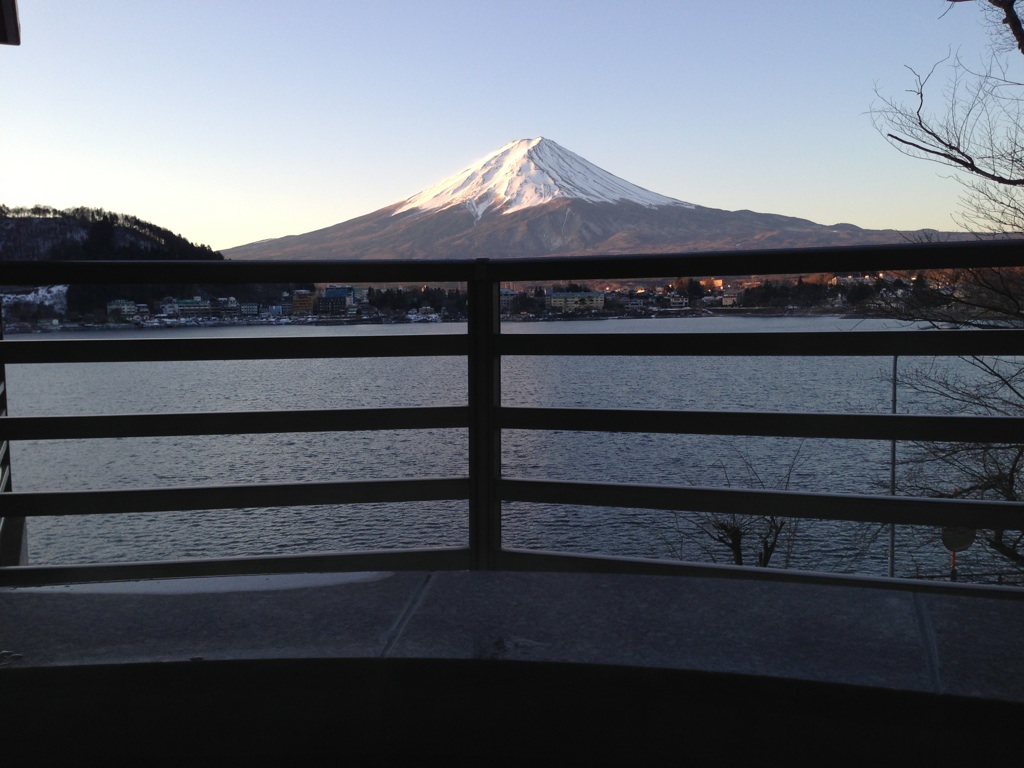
(832, 385)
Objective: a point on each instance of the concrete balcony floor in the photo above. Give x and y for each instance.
(506, 667)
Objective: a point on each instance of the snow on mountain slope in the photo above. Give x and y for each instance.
(526, 173)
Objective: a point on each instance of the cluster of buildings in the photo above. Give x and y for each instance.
(630, 301)
(555, 301)
(331, 301)
(346, 301)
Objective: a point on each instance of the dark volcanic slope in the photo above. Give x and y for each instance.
(560, 227)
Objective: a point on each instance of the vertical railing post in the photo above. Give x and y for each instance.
(484, 435)
(892, 473)
(13, 546)
(13, 550)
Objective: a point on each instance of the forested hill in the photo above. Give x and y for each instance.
(41, 233)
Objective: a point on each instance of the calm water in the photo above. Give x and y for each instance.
(834, 385)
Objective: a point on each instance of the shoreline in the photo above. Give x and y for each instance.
(752, 312)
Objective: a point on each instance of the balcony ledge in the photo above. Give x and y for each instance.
(419, 663)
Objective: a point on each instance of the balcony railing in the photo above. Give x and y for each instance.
(484, 417)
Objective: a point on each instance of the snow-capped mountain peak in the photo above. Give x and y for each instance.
(526, 173)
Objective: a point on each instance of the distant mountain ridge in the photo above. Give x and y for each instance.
(42, 233)
(533, 197)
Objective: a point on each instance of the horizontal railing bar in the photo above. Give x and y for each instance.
(513, 559)
(978, 429)
(449, 559)
(454, 558)
(403, 271)
(981, 429)
(906, 257)
(843, 343)
(230, 423)
(902, 510)
(872, 258)
(865, 343)
(131, 500)
(236, 348)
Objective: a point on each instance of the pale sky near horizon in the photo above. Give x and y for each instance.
(231, 121)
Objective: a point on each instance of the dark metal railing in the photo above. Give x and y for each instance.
(484, 487)
(12, 529)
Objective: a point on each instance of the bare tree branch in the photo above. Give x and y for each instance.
(1011, 19)
(977, 130)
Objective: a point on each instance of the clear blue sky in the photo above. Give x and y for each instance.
(230, 121)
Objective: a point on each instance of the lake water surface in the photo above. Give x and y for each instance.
(828, 385)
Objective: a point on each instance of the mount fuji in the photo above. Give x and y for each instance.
(535, 198)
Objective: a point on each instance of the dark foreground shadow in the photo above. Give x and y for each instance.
(359, 711)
